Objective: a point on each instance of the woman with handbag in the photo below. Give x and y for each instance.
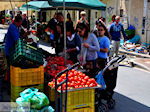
(89, 48)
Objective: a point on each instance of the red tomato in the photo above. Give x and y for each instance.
(84, 81)
(72, 85)
(83, 75)
(79, 79)
(91, 85)
(93, 80)
(88, 83)
(80, 86)
(71, 79)
(86, 86)
(75, 78)
(75, 72)
(76, 87)
(69, 84)
(60, 80)
(50, 84)
(78, 83)
(86, 78)
(70, 74)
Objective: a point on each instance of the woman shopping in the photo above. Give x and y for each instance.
(104, 43)
(89, 48)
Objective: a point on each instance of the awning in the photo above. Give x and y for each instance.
(81, 4)
(37, 4)
(7, 5)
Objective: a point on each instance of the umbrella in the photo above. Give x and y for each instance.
(79, 4)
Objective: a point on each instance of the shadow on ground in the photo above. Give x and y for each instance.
(125, 104)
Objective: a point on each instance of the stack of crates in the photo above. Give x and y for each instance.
(26, 70)
(22, 79)
(25, 56)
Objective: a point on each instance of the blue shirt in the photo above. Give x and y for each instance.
(11, 37)
(104, 43)
(115, 31)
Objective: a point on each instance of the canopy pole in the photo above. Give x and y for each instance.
(12, 7)
(64, 13)
(27, 15)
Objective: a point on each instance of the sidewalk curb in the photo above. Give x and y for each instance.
(134, 54)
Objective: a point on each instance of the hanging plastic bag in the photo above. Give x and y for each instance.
(100, 80)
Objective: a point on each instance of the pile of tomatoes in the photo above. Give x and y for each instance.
(76, 79)
(55, 65)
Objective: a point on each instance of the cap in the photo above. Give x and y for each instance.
(83, 13)
(117, 17)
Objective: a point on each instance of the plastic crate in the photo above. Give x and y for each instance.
(25, 56)
(80, 98)
(25, 77)
(77, 99)
(90, 109)
(15, 90)
(129, 32)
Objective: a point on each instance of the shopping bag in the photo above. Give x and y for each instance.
(100, 80)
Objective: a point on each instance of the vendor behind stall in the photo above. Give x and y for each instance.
(73, 44)
(11, 37)
(12, 34)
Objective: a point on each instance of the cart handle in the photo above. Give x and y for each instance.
(116, 59)
(122, 57)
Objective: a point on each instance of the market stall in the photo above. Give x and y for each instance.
(28, 67)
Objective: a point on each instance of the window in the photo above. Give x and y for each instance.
(96, 14)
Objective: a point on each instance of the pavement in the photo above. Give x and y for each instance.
(132, 93)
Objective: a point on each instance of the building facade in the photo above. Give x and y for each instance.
(134, 12)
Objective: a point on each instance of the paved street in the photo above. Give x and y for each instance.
(132, 91)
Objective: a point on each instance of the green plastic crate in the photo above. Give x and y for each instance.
(25, 56)
(15, 90)
(129, 32)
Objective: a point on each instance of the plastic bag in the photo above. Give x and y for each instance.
(39, 100)
(22, 101)
(36, 99)
(28, 93)
(45, 109)
(100, 80)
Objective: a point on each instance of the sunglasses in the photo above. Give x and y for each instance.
(100, 30)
